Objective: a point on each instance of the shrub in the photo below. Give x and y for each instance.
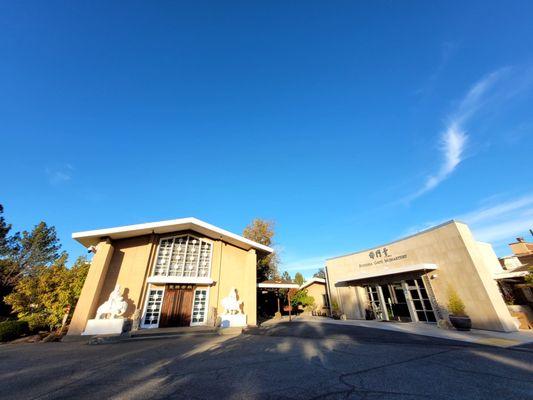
(11, 330)
(301, 297)
(455, 304)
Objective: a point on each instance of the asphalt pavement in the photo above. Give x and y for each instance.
(286, 361)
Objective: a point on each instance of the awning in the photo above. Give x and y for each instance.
(512, 274)
(386, 271)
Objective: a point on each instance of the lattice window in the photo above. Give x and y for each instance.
(199, 307)
(183, 256)
(163, 257)
(153, 307)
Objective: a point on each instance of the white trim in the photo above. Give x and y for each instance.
(193, 280)
(515, 274)
(388, 271)
(278, 285)
(151, 326)
(311, 281)
(206, 311)
(88, 238)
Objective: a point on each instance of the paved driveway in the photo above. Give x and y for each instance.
(288, 361)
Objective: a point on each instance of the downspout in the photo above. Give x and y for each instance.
(219, 276)
(328, 292)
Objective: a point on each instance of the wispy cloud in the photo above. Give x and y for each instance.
(60, 174)
(498, 221)
(502, 222)
(307, 266)
(454, 139)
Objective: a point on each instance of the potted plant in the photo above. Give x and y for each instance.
(458, 317)
(335, 310)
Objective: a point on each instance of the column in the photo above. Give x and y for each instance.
(90, 294)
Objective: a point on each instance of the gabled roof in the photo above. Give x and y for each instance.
(311, 281)
(90, 238)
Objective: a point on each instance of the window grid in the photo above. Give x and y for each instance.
(199, 307)
(421, 302)
(153, 307)
(183, 256)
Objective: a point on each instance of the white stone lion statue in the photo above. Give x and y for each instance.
(114, 307)
(231, 304)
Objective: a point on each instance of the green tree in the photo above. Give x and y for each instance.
(8, 268)
(42, 297)
(262, 231)
(320, 274)
(6, 241)
(299, 279)
(39, 247)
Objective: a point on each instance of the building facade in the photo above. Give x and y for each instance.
(410, 279)
(316, 288)
(171, 273)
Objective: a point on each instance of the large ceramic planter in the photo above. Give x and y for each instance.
(461, 323)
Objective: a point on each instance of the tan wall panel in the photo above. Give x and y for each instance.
(128, 269)
(317, 291)
(234, 267)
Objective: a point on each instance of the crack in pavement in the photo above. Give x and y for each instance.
(353, 389)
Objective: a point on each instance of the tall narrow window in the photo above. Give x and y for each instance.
(199, 307)
(183, 256)
(153, 308)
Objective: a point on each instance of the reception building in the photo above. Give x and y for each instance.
(410, 279)
(170, 273)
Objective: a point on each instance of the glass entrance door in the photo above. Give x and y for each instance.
(375, 302)
(420, 300)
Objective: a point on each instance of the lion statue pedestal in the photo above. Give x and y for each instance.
(233, 315)
(108, 318)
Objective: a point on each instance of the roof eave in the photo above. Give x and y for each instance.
(88, 238)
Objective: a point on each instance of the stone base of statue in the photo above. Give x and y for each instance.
(104, 326)
(232, 320)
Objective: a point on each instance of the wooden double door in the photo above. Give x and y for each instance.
(177, 305)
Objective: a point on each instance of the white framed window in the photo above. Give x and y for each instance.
(152, 308)
(183, 256)
(199, 306)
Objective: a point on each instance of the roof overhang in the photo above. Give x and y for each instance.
(91, 238)
(311, 281)
(386, 271)
(265, 285)
(507, 275)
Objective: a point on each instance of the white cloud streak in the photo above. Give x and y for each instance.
(501, 223)
(60, 175)
(497, 223)
(454, 139)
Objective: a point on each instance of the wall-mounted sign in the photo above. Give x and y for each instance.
(381, 256)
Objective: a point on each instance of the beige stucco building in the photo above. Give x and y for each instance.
(316, 288)
(171, 273)
(409, 279)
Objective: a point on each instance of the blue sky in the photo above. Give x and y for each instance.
(350, 125)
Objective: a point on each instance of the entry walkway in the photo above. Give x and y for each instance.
(477, 336)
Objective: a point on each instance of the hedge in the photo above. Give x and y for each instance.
(11, 330)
